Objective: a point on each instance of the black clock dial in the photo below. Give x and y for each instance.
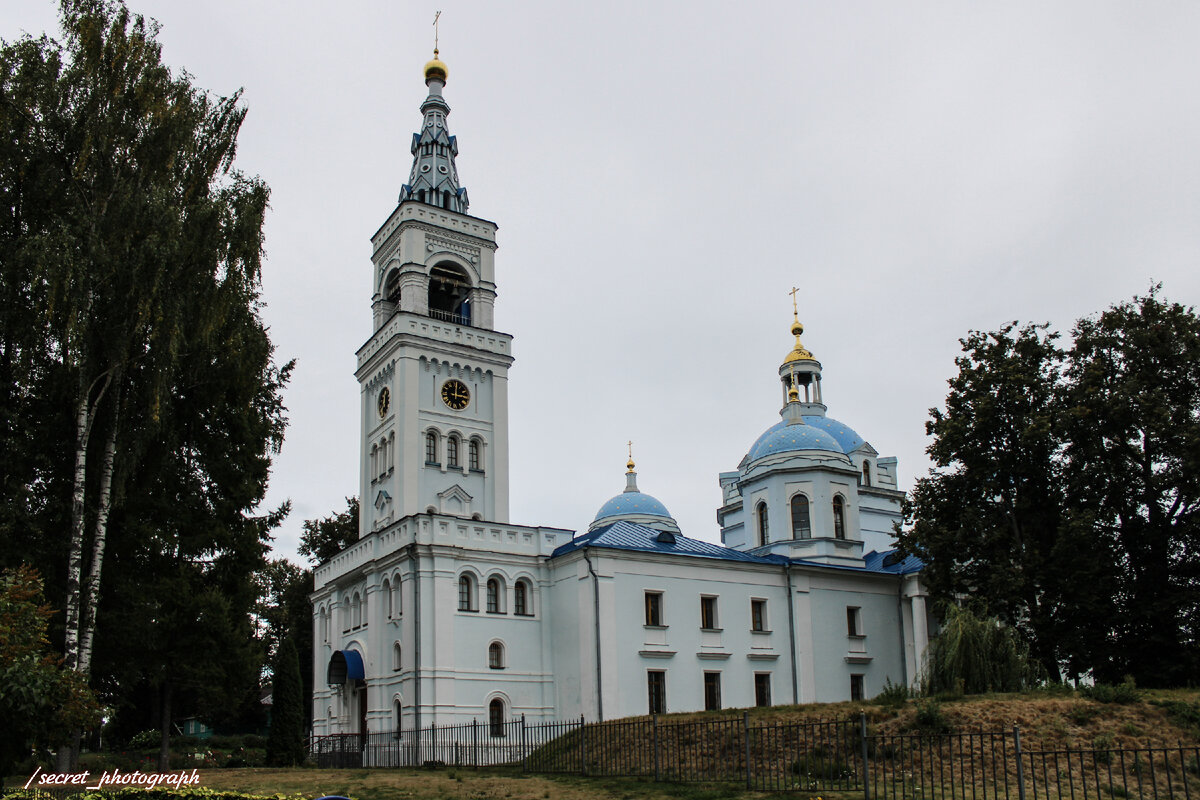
(385, 401)
(456, 394)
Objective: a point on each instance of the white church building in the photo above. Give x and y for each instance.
(444, 611)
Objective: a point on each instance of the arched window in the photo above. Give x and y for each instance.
(391, 451)
(866, 473)
(763, 526)
(839, 517)
(356, 606)
(374, 460)
(452, 452)
(521, 605)
(387, 597)
(801, 524)
(496, 718)
(396, 713)
(363, 608)
(396, 653)
(431, 448)
(466, 593)
(495, 595)
(473, 455)
(391, 287)
(384, 456)
(449, 293)
(397, 609)
(496, 655)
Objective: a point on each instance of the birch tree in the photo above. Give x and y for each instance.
(137, 245)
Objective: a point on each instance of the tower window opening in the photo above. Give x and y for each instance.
(452, 452)
(466, 593)
(391, 288)
(521, 598)
(473, 455)
(763, 525)
(495, 596)
(495, 656)
(431, 448)
(801, 522)
(449, 294)
(839, 518)
(866, 473)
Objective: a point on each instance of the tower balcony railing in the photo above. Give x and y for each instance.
(450, 316)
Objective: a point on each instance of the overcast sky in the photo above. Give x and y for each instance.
(662, 175)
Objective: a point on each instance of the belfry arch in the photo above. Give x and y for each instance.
(450, 293)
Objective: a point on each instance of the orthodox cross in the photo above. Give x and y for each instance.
(435, 31)
(630, 443)
(795, 311)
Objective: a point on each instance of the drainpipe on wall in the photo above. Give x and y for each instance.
(792, 636)
(413, 559)
(596, 619)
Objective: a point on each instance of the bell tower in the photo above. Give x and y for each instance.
(434, 374)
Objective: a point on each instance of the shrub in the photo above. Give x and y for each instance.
(1125, 692)
(145, 739)
(893, 695)
(930, 719)
(973, 655)
(1082, 713)
(1183, 714)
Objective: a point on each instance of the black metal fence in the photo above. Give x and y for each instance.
(813, 755)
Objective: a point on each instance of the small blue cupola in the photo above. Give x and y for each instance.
(633, 505)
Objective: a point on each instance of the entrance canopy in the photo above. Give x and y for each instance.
(343, 665)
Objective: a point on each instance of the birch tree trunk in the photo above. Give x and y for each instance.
(92, 594)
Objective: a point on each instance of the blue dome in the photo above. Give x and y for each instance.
(818, 433)
(632, 503)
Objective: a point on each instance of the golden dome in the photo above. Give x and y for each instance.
(436, 69)
(629, 465)
(799, 353)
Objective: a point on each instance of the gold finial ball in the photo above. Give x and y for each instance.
(629, 465)
(436, 69)
(797, 329)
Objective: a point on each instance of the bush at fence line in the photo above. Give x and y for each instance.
(894, 695)
(930, 719)
(1184, 714)
(1125, 692)
(818, 765)
(974, 655)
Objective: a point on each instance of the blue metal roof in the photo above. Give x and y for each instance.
(631, 536)
(817, 433)
(632, 503)
(624, 535)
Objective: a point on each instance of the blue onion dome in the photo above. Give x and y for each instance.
(633, 505)
(817, 433)
(628, 503)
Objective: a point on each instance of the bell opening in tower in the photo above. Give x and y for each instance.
(450, 294)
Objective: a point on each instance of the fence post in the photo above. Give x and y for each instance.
(582, 746)
(654, 728)
(746, 747)
(475, 741)
(524, 748)
(866, 766)
(1020, 766)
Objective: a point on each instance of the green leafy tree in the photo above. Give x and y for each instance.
(132, 252)
(986, 519)
(1066, 491)
(40, 700)
(1133, 467)
(285, 744)
(322, 539)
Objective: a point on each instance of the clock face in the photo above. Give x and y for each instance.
(456, 394)
(385, 401)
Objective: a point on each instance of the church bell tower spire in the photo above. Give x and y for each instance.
(434, 176)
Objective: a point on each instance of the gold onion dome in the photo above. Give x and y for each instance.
(629, 465)
(436, 69)
(799, 353)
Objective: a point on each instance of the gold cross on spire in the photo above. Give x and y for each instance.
(435, 32)
(629, 465)
(795, 310)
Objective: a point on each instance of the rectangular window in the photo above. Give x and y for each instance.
(856, 687)
(473, 455)
(656, 686)
(654, 616)
(853, 621)
(708, 613)
(452, 452)
(758, 615)
(712, 691)
(762, 688)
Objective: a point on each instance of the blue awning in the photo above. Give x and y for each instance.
(345, 665)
